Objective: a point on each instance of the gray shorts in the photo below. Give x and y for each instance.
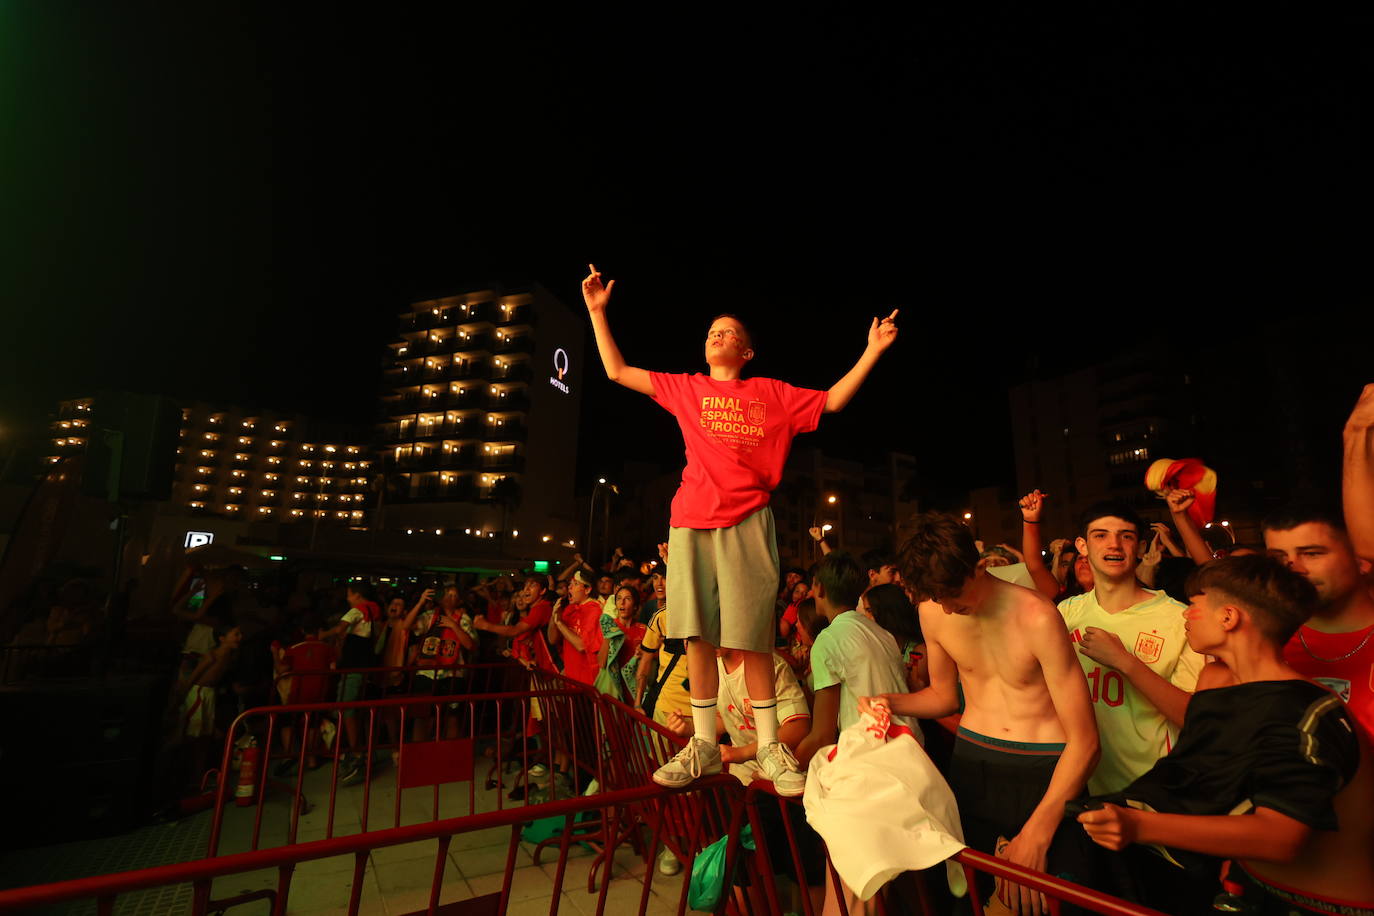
(723, 583)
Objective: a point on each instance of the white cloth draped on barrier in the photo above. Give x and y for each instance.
(882, 807)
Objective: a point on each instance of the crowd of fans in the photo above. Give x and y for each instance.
(1128, 708)
(1100, 641)
(1125, 706)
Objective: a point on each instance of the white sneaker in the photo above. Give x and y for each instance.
(699, 758)
(668, 864)
(781, 768)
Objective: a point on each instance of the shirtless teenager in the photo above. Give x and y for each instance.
(1027, 740)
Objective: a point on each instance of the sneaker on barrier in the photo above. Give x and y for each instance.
(699, 758)
(668, 864)
(781, 769)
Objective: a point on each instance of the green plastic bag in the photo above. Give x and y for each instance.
(708, 871)
(546, 828)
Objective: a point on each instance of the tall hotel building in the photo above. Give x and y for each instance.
(246, 465)
(479, 416)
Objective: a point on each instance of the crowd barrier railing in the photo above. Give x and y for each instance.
(480, 677)
(599, 736)
(1057, 892)
(458, 730)
(200, 874)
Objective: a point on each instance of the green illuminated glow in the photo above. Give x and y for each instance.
(541, 566)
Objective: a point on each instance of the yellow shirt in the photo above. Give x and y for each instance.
(674, 695)
(1133, 732)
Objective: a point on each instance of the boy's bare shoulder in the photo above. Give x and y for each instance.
(1030, 607)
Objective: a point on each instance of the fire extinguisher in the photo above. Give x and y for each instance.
(248, 774)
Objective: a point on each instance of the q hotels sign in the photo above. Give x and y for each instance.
(560, 366)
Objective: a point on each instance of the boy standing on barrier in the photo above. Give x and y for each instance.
(1268, 771)
(737, 434)
(1027, 740)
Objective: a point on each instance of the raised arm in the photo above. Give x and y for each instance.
(597, 296)
(1032, 507)
(415, 611)
(1179, 501)
(881, 334)
(1357, 475)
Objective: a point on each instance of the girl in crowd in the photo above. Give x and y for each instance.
(621, 635)
(890, 608)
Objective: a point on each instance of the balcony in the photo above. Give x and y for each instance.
(514, 400)
(506, 462)
(509, 430)
(474, 342)
(426, 462)
(510, 313)
(469, 398)
(467, 369)
(461, 459)
(511, 372)
(518, 343)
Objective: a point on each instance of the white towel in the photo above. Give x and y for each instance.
(882, 807)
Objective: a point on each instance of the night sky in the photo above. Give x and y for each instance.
(226, 201)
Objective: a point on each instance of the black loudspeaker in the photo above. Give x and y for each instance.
(81, 756)
(151, 429)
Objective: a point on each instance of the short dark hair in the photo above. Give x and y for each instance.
(1279, 599)
(1295, 514)
(541, 581)
(939, 557)
(1109, 508)
(363, 588)
(842, 579)
(874, 560)
(626, 574)
(748, 334)
(893, 611)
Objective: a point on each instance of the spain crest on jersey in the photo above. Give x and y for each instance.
(758, 412)
(1148, 647)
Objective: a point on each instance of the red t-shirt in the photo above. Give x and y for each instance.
(737, 435)
(310, 655)
(585, 620)
(537, 617)
(1351, 679)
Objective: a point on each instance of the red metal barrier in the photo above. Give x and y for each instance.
(486, 725)
(601, 737)
(1056, 890)
(484, 677)
(105, 889)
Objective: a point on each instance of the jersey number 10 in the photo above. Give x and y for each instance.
(1107, 686)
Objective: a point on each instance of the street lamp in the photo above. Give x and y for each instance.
(601, 484)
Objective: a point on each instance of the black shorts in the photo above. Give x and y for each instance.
(1268, 900)
(998, 786)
